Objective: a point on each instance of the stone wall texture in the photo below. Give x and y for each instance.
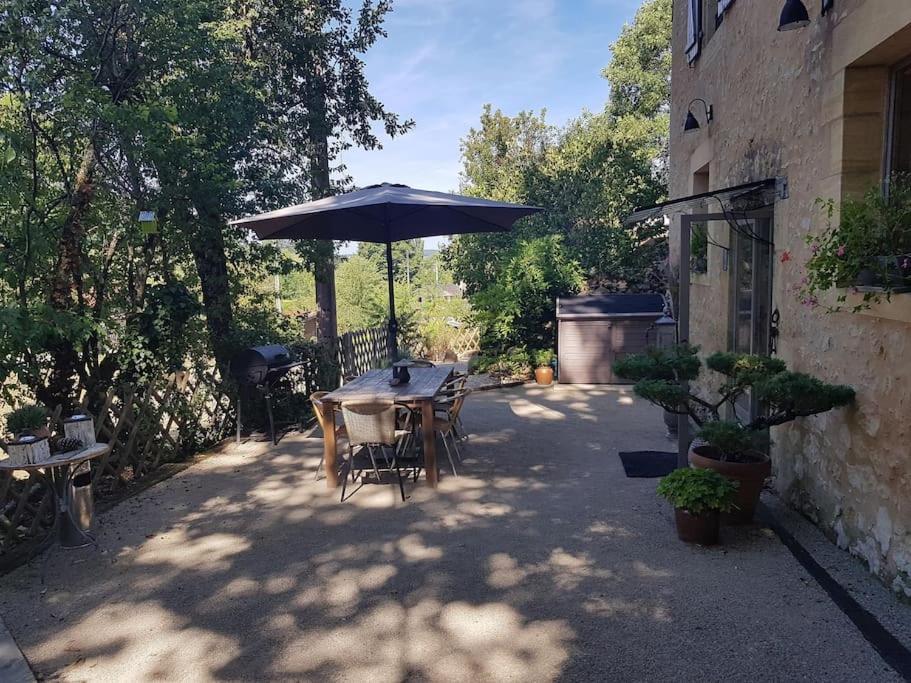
(810, 105)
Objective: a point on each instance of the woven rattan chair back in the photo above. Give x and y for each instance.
(370, 422)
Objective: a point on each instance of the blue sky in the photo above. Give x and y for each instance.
(445, 59)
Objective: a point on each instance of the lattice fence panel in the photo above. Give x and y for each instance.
(363, 350)
(148, 426)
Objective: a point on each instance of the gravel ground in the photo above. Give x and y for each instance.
(542, 561)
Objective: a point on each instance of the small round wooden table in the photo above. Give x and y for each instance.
(58, 471)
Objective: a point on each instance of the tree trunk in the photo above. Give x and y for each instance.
(320, 186)
(207, 243)
(66, 289)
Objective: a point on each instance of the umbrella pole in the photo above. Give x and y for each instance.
(393, 323)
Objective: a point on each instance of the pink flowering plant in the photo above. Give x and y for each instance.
(867, 250)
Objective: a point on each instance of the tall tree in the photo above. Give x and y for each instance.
(309, 57)
(588, 175)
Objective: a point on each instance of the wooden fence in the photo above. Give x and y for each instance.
(363, 350)
(150, 425)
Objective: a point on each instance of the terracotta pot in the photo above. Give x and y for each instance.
(701, 529)
(750, 475)
(544, 375)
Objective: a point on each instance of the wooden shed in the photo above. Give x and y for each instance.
(594, 331)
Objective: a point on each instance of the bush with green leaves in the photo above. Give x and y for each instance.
(543, 358)
(26, 419)
(868, 244)
(515, 362)
(661, 377)
(730, 438)
(698, 491)
(519, 308)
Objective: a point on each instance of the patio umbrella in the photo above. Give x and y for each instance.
(385, 214)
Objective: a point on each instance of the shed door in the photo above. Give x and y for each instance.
(588, 348)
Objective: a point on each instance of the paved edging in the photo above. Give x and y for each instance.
(13, 666)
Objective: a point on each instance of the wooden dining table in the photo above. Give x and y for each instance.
(374, 385)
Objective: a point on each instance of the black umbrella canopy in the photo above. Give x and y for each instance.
(386, 213)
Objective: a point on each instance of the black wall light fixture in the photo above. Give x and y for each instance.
(794, 15)
(691, 123)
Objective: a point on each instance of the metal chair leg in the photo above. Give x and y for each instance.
(376, 469)
(449, 455)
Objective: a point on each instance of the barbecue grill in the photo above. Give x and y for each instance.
(261, 367)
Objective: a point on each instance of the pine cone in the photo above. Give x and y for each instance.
(66, 444)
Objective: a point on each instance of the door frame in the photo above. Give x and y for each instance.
(683, 294)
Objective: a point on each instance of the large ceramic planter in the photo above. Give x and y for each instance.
(701, 529)
(544, 375)
(749, 475)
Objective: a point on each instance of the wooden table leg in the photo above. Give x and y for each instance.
(330, 448)
(430, 443)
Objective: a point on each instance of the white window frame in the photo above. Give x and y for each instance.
(723, 6)
(693, 29)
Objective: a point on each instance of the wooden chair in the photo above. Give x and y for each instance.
(451, 388)
(446, 425)
(326, 422)
(372, 425)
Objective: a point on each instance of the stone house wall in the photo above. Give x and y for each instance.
(810, 105)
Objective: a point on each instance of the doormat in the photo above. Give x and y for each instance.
(648, 464)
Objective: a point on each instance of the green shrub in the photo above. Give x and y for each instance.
(516, 362)
(867, 229)
(679, 362)
(659, 375)
(519, 308)
(698, 491)
(731, 439)
(26, 419)
(543, 358)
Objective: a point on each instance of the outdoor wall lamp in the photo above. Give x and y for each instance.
(691, 123)
(793, 16)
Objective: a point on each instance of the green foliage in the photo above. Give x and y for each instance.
(698, 491)
(786, 395)
(544, 358)
(797, 394)
(514, 362)
(407, 258)
(520, 307)
(745, 369)
(640, 71)
(588, 175)
(679, 362)
(731, 439)
(197, 110)
(28, 418)
(869, 243)
(665, 393)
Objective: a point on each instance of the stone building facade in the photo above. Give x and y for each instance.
(825, 110)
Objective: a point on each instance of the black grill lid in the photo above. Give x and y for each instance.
(253, 364)
(609, 305)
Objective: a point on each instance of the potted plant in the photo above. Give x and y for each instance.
(28, 420)
(731, 450)
(867, 250)
(544, 369)
(730, 447)
(698, 497)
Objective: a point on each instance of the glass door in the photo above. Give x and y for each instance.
(751, 294)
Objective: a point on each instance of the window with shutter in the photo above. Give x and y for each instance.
(693, 29)
(723, 5)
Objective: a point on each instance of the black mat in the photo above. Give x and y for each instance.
(648, 464)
